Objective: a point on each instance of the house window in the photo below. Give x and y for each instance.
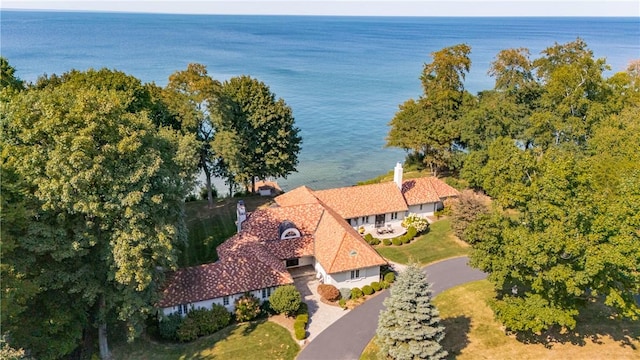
(292, 262)
(225, 301)
(394, 216)
(266, 293)
(365, 219)
(420, 206)
(183, 309)
(355, 274)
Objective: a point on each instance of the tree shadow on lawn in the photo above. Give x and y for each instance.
(596, 324)
(457, 334)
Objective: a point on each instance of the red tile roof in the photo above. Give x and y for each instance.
(426, 190)
(254, 258)
(356, 201)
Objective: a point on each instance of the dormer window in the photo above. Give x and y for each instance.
(288, 230)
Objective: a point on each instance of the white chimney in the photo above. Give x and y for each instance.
(241, 214)
(397, 175)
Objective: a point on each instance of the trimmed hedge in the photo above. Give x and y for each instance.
(329, 292)
(396, 241)
(384, 284)
(386, 242)
(286, 299)
(300, 333)
(303, 318)
(343, 303)
(356, 293)
(376, 286)
(390, 277)
(367, 290)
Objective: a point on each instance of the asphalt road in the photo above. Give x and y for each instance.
(346, 338)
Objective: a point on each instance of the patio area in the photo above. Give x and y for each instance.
(385, 232)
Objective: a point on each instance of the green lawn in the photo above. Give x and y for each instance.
(209, 228)
(439, 243)
(257, 340)
(473, 333)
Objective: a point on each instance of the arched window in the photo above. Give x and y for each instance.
(288, 230)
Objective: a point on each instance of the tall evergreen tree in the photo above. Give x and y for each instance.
(409, 328)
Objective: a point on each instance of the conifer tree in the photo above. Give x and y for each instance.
(409, 327)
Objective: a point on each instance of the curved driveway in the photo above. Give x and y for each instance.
(347, 337)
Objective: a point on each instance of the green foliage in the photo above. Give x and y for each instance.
(368, 238)
(104, 193)
(328, 292)
(367, 290)
(247, 307)
(386, 242)
(390, 277)
(303, 318)
(248, 113)
(384, 284)
(396, 241)
(189, 330)
(419, 223)
(202, 322)
(169, 325)
(356, 293)
(8, 80)
(304, 309)
(376, 286)
(300, 332)
(343, 302)
(285, 300)
(409, 326)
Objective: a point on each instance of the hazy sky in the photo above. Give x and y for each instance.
(351, 7)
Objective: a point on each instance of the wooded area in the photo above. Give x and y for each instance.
(556, 145)
(96, 167)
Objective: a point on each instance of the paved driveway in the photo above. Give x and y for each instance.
(348, 336)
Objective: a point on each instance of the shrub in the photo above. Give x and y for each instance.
(368, 238)
(247, 307)
(188, 330)
(266, 308)
(396, 241)
(356, 293)
(303, 317)
(390, 277)
(203, 192)
(286, 300)
(367, 290)
(329, 292)
(406, 238)
(376, 286)
(375, 241)
(169, 325)
(299, 324)
(221, 317)
(343, 302)
(419, 223)
(386, 242)
(384, 284)
(300, 333)
(345, 293)
(412, 232)
(304, 308)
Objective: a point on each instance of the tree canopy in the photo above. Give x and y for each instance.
(92, 209)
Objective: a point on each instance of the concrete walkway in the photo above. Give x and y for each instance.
(350, 334)
(321, 315)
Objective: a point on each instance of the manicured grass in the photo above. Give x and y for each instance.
(209, 228)
(439, 243)
(473, 333)
(256, 340)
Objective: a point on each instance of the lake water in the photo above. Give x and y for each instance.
(344, 77)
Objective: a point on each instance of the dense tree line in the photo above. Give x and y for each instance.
(556, 145)
(95, 168)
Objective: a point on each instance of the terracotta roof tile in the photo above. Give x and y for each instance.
(426, 190)
(355, 201)
(338, 247)
(298, 196)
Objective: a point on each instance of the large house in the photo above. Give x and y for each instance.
(304, 228)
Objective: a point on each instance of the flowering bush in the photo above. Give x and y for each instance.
(419, 223)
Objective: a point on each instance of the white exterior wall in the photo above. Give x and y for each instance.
(303, 261)
(427, 209)
(208, 304)
(321, 273)
(343, 279)
(370, 223)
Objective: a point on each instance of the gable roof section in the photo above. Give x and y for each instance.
(298, 196)
(426, 190)
(230, 276)
(264, 223)
(363, 200)
(338, 247)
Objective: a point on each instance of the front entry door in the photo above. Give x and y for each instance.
(379, 220)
